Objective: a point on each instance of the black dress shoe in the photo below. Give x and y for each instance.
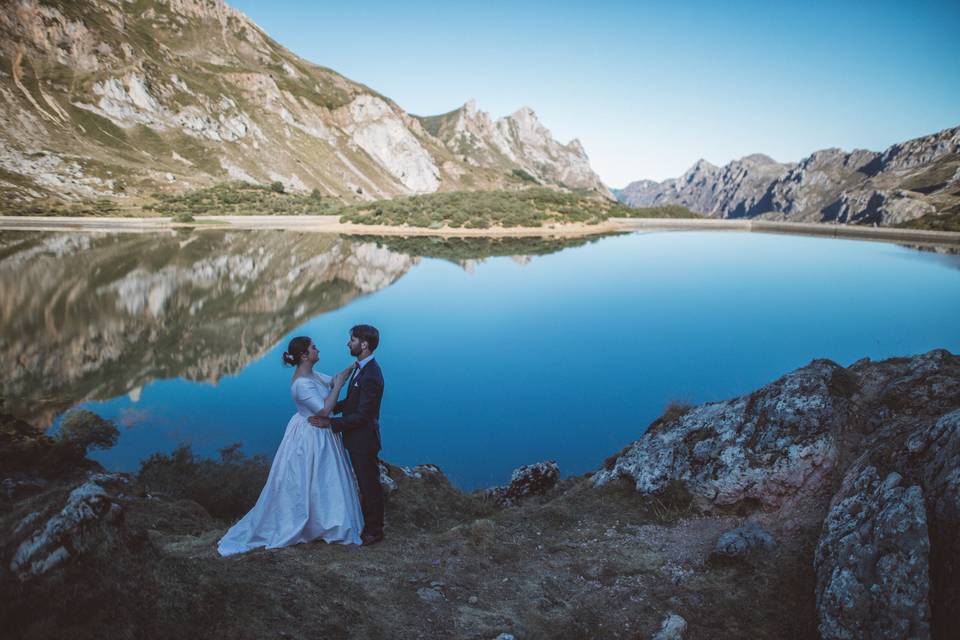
(371, 538)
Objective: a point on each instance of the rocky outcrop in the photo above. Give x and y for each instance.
(528, 480)
(871, 451)
(872, 562)
(905, 182)
(771, 446)
(125, 98)
(89, 519)
(377, 129)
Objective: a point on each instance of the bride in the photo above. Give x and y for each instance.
(311, 492)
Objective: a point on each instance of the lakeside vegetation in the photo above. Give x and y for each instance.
(477, 248)
(533, 207)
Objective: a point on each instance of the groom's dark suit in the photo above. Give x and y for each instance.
(360, 425)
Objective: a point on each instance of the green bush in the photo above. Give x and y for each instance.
(276, 186)
(227, 488)
(183, 217)
(83, 430)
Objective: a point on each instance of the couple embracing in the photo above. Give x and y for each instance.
(315, 490)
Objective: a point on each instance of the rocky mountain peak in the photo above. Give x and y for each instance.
(577, 147)
(517, 145)
(700, 171)
(758, 159)
(907, 181)
(702, 166)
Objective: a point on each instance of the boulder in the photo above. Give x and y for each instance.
(872, 561)
(672, 628)
(529, 480)
(742, 542)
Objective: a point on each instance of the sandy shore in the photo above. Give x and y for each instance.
(331, 224)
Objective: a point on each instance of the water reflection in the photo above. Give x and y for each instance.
(95, 316)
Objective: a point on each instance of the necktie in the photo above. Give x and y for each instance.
(353, 376)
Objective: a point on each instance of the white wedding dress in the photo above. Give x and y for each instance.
(311, 492)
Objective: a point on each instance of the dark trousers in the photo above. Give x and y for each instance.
(371, 493)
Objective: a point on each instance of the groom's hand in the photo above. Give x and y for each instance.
(319, 421)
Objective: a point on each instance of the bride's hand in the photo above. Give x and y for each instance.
(341, 377)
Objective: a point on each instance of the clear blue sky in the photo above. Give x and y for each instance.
(651, 87)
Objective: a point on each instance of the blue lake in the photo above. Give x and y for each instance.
(495, 354)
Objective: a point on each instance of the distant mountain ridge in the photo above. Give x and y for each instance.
(100, 97)
(908, 180)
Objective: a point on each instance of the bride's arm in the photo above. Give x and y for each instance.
(310, 393)
(336, 384)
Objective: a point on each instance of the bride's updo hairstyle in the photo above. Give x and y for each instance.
(295, 350)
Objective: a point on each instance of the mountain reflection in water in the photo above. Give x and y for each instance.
(93, 316)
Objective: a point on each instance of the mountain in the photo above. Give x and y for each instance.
(517, 143)
(909, 180)
(109, 98)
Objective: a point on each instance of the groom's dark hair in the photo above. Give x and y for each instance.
(366, 333)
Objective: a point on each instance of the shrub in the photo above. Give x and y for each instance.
(82, 430)
(226, 488)
(675, 410)
(183, 217)
(276, 186)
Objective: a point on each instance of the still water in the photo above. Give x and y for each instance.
(494, 353)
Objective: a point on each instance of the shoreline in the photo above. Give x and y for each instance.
(332, 224)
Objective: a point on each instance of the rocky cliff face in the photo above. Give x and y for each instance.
(905, 182)
(100, 97)
(516, 143)
(871, 451)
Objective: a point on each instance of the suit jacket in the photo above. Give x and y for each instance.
(359, 421)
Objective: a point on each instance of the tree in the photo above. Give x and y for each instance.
(82, 430)
(276, 186)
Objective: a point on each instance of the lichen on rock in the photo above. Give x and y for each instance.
(872, 562)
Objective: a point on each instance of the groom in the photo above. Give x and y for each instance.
(360, 425)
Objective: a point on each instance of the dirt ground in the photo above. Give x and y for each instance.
(579, 562)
